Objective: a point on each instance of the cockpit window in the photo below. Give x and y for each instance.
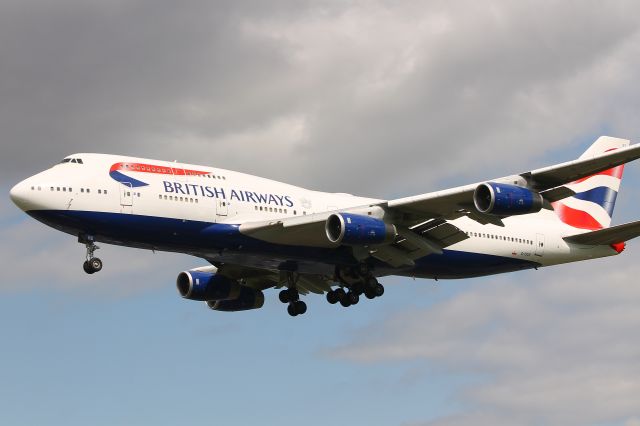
(72, 160)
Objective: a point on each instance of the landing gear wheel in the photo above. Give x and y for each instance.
(96, 264)
(297, 308)
(92, 264)
(292, 310)
(345, 302)
(369, 293)
(284, 296)
(87, 267)
(333, 297)
(353, 298)
(378, 290)
(300, 307)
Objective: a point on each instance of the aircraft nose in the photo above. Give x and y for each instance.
(19, 195)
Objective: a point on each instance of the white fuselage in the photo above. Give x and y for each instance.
(70, 196)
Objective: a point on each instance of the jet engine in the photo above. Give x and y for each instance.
(352, 229)
(246, 300)
(205, 286)
(500, 199)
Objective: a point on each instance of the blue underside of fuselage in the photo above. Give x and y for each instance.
(224, 242)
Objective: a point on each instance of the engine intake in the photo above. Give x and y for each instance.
(246, 300)
(352, 229)
(205, 286)
(506, 200)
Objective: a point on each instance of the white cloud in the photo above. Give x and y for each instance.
(557, 347)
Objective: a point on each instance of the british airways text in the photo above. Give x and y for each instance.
(240, 195)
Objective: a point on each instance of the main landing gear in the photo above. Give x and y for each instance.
(357, 282)
(92, 264)
(292, 297)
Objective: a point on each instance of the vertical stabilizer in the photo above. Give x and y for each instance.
(592, 205)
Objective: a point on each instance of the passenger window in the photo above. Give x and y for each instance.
(80, 161)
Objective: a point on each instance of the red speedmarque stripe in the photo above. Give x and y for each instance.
(149, 168)
(575, 218)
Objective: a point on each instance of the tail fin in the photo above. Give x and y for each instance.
(592, 205)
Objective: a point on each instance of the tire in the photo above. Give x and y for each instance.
(369, 294)
(284, 296)
(344, 298)
(353, 298)
(300, 307)
(378, 290)
(332, 297)
(87, 267)
(292, 310)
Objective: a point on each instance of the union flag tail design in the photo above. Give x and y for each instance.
(592, 205)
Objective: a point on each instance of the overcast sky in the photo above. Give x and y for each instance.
(377, 98)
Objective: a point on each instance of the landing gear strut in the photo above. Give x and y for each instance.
(92, 264)
(292, 297)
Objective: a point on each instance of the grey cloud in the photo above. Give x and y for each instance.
(423, 92)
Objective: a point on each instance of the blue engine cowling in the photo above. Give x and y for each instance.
(246, 300)
(353, 229)
(501, 199)
(205, 286)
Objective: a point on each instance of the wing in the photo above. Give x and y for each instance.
(547, 181)
(612, 235)
(422, 222)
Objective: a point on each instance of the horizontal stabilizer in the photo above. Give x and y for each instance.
(613, 235)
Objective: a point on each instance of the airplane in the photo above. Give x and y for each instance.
(258, 234)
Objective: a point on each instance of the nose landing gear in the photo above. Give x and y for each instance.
(92, 264)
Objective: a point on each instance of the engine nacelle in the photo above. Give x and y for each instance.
(246, 300)
(205, 286)
(501, 199)
(353, 229)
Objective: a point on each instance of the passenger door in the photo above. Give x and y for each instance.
(126, 197)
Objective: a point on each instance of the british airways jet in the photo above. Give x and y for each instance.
(258, 234)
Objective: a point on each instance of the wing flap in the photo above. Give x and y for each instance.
(612, 235)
